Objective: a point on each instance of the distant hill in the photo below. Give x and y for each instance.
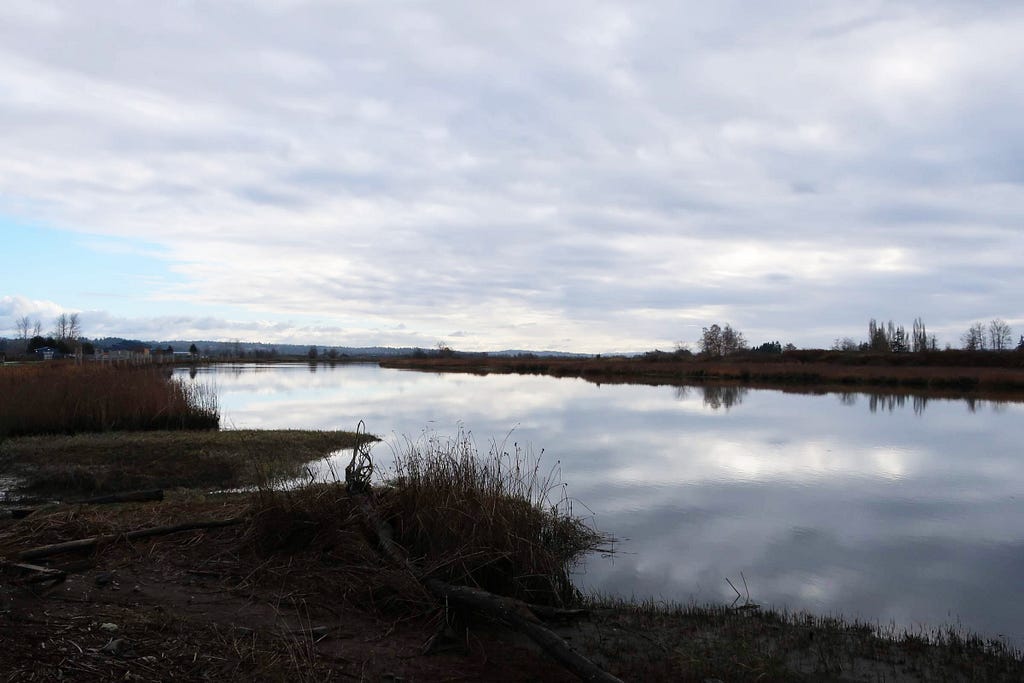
(222, 348)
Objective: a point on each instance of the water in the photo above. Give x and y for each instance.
(890, 510)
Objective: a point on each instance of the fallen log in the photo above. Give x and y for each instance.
(514, 613)
(36, 574)
(89, 543)
(124, 497)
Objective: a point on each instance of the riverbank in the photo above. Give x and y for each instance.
(295, 588)
(995, 376)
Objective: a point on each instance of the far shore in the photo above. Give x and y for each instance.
(992, 376)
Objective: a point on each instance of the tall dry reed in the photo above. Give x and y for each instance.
(62, 398)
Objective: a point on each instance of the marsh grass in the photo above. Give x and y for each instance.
(483, 521)
(500, 521)
(679, 641)
(93, 464)
(64, 398)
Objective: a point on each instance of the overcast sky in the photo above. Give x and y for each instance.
(549, 175)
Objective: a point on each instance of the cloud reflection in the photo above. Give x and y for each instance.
(894, 514)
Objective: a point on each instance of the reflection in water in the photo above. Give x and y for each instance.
(890, 514)
(714, 396)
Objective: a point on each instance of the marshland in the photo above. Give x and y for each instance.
(680, 532)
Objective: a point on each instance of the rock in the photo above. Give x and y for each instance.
(110, 628)
(103, 578)
(117, 647)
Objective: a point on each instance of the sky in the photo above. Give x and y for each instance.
(577, 176)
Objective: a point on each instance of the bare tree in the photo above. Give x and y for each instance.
(999, 335)
(37, 329)
(919, 337)
(23, 325)
(60, 326)
(74, 326)
(718, 341)
(974, 338)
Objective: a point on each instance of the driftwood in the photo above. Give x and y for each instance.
(126, 497)
(517, 615)
(35, 573)
(89, 543)
(514, 613)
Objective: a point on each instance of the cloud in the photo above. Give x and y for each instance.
(564, 175)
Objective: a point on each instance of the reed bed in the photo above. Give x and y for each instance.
(63, 398)
(496, 522)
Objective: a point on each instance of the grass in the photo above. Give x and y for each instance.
(483, 521)
(689, 642)
(939, 374)
(499, 521)
(64, 398)
(92, 464)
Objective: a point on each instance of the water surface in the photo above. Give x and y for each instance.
(887, 509)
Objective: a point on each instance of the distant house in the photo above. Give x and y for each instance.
(48, 353)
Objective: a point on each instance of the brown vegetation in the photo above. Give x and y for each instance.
(955, 371)
(91, 464)
(64, 398)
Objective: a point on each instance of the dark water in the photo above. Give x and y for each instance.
(892, 510)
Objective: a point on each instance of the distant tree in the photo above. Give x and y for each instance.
(60, 326)
(974, 338)
(845, 344)
(194, 350)
(898, 339)
(313, 353)
(333, 354)
(919, 338)
(23, 325)
(169, 350)
(74, 326)
(718, 341)
(1020, 344)
(37, 329)
(768, 347)
(790, 346)
(999, 335)
(878, 338)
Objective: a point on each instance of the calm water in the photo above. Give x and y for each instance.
(907, 512)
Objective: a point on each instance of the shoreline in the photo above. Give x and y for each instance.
(628, 638)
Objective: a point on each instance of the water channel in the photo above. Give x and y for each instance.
(899, 511)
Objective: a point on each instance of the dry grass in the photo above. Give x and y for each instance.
(497, 522)
(63, 398)
(92, 464)
(483, 521)
(941, 374)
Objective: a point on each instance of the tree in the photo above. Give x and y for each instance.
(37, 328)
(878, 338)
(312, 353)
(717, 341)
(844, 344)
(999, 335)
(1020, 344)
(194, 350)
(974, 338)
(60, 326)
(23, 325)
(74, 326)
(919, 338)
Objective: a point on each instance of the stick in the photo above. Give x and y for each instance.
(88, 543)
(36, 574)
(125, 497)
